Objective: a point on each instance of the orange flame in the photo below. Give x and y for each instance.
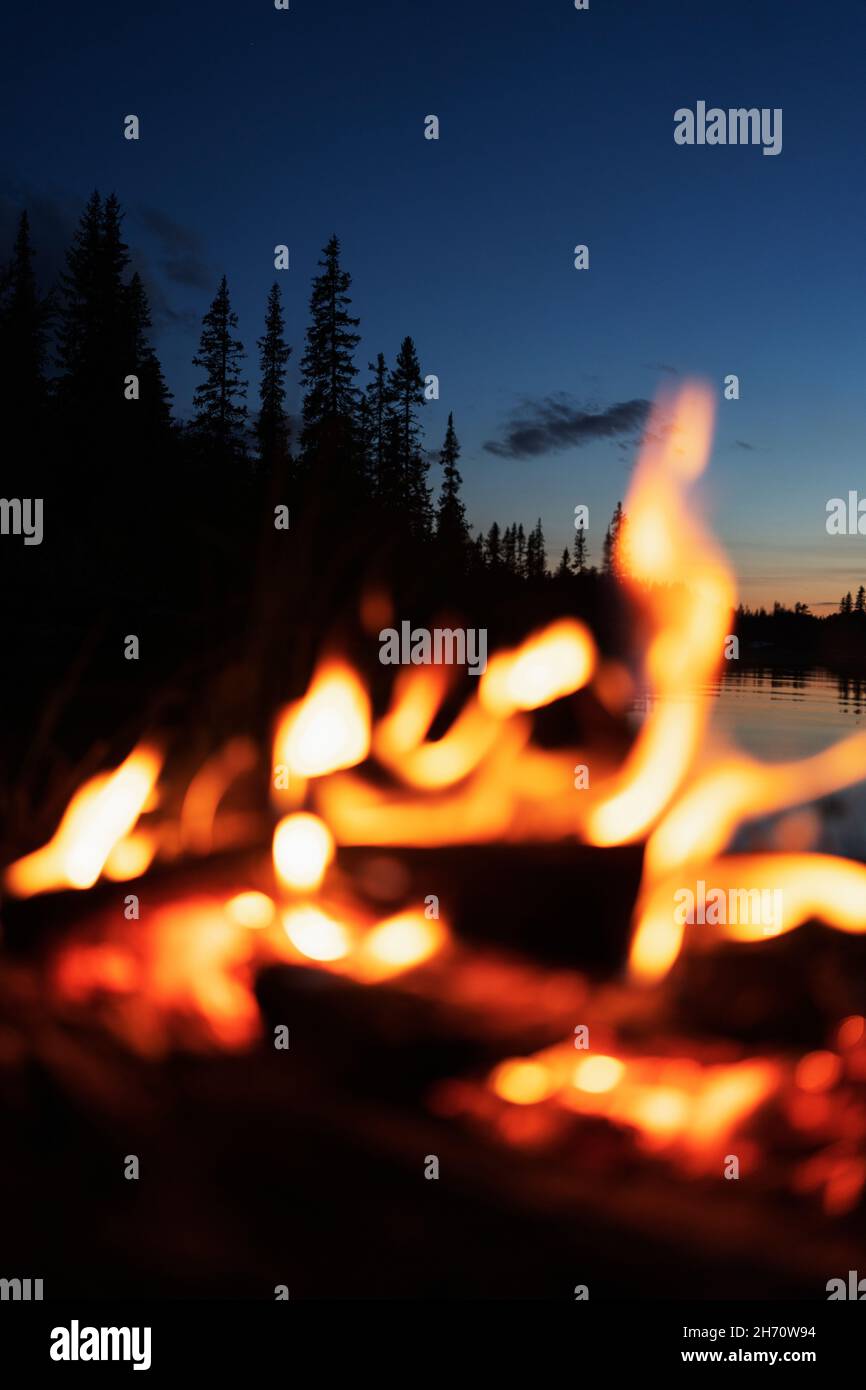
(329, 728)
(94, 825)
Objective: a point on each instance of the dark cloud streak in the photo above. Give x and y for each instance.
(182, 256)
(555, 423)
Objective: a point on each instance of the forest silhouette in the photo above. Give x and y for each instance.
(167, 528)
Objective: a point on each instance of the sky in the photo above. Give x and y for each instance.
(262, 126)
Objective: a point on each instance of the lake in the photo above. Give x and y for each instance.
(777, 714)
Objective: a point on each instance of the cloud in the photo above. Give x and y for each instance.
(53, 219)
(163, 313)
(555, 423)
(181, 255)
(662, 367)
(742, 444)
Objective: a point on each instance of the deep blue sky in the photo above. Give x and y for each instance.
(262, 126)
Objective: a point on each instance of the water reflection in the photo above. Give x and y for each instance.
(779, 714)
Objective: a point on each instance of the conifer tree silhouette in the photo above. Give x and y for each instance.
(23, 329)
(272, 426)
(407, 392)
(152, 420)
(79, 325)
(328, 372)
(579, 551)
(220, 412)
(377, 397)
(520, 551)
(493, 547)
(536, 555)
(509, 548)
(451, 529)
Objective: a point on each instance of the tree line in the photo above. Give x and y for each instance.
(78, 365)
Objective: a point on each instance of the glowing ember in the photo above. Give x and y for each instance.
(398, 944)
(254, 910)
(669, 1101)
(316, 935)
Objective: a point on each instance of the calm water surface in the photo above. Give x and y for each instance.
(782, 714)
(778, 715)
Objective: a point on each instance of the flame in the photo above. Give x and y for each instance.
(548, 665)
(672, 1102)
(705, 817)
(207, 789)
(689, 604)
(400, 943)
(251, 909)
(98, 818)
(329, 728)
(812, 886)
(303, 849)
(316, 934)
(483, 780)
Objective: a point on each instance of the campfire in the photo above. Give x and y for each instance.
(182, 888)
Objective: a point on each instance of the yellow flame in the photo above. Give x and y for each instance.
(251, 909)
(690, 605)
(316, 934)
(303, 849)
(708, 812)
(397, 944)
(548, 665)
(811, 886)
(329, 728)
(99, 816)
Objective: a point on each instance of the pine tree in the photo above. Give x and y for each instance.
(94, 336)
(846, 605)
(607, 553)
(579, 553)
(79, 327)
(23, 325)
(479, 558)
(564, 569)
(220, 412)
(406, 387)
(328, 369)
(615, 543)
(272, 426)
(377, 397)
(860, 601)
(536, 554)
(520, 551)
(451, 529)
(509, 548)
(493, 547)
(153, 412)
